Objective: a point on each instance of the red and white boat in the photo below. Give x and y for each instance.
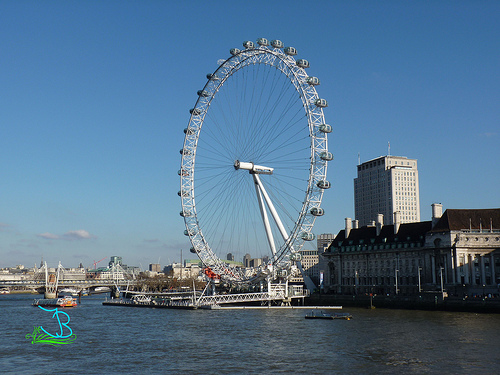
(56, 302)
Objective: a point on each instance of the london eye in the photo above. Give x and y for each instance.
(254, 163)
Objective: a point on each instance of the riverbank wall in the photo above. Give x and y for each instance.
(422, 302)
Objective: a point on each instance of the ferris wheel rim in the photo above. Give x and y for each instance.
(273, 57)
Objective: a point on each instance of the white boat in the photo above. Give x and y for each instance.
(102, 289)
(67, 291)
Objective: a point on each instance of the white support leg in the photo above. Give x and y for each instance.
(263, 212)
(274, 213)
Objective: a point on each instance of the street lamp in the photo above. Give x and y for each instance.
(356, 282)
(419, 283)
(442, 290)
(397, 272)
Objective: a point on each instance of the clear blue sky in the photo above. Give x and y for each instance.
(95, 95)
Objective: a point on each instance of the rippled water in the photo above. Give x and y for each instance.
(157, 341)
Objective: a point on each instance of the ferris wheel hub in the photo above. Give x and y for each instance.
(254, 169)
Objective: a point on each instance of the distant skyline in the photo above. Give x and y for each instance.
(96, 96)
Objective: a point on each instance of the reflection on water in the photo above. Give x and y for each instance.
(113, 340)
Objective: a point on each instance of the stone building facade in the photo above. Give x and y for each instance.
(456, 253)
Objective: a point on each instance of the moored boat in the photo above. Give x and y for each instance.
(324, 315)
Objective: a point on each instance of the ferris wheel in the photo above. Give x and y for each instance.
(254, 163)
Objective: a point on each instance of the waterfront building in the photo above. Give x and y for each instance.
(190, 270)
(74, 274)
(385, 185)
(310, 264)
(458, 252)
(17, 273)
(116, 270)
(322, 243)
(154, 267)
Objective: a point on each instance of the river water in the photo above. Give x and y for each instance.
(121, 340)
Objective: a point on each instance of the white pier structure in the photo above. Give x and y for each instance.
(278, 293)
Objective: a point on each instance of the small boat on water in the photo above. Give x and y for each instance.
(323, 315)
(56, 302)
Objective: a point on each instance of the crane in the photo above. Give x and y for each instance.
(95, 263)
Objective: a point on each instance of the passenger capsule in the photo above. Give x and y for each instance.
(183, 193)
(248, 44)
(290, 51)
(183, 172)
(325, 128)
(262, 42)
(212, 77)
(316, 211)
(202, 93)
(184, 151)
(326, 155)
(195, 111)
(188, 233)
(323, 184)
(277, 43)
(185, 213)
(313, 81)
(322, 103)
(307, 236)
(189, 131)
(192, 250)
(303, 63)
(234, 51)
(297, 257)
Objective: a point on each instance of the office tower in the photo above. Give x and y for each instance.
(386, 185)
(323, 241)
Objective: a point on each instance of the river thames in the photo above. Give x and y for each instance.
(117, 340)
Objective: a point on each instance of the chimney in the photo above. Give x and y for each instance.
(437, 212)
(355, 224)
(348, 226)
(397, 222)
(379, 223)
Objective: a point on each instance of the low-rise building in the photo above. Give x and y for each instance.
(189, 270)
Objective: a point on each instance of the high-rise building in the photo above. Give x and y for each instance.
(386, 185)
(323, 241)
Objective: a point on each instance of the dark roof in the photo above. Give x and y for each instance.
(460, 219)
(364, 235)
(452, 219)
